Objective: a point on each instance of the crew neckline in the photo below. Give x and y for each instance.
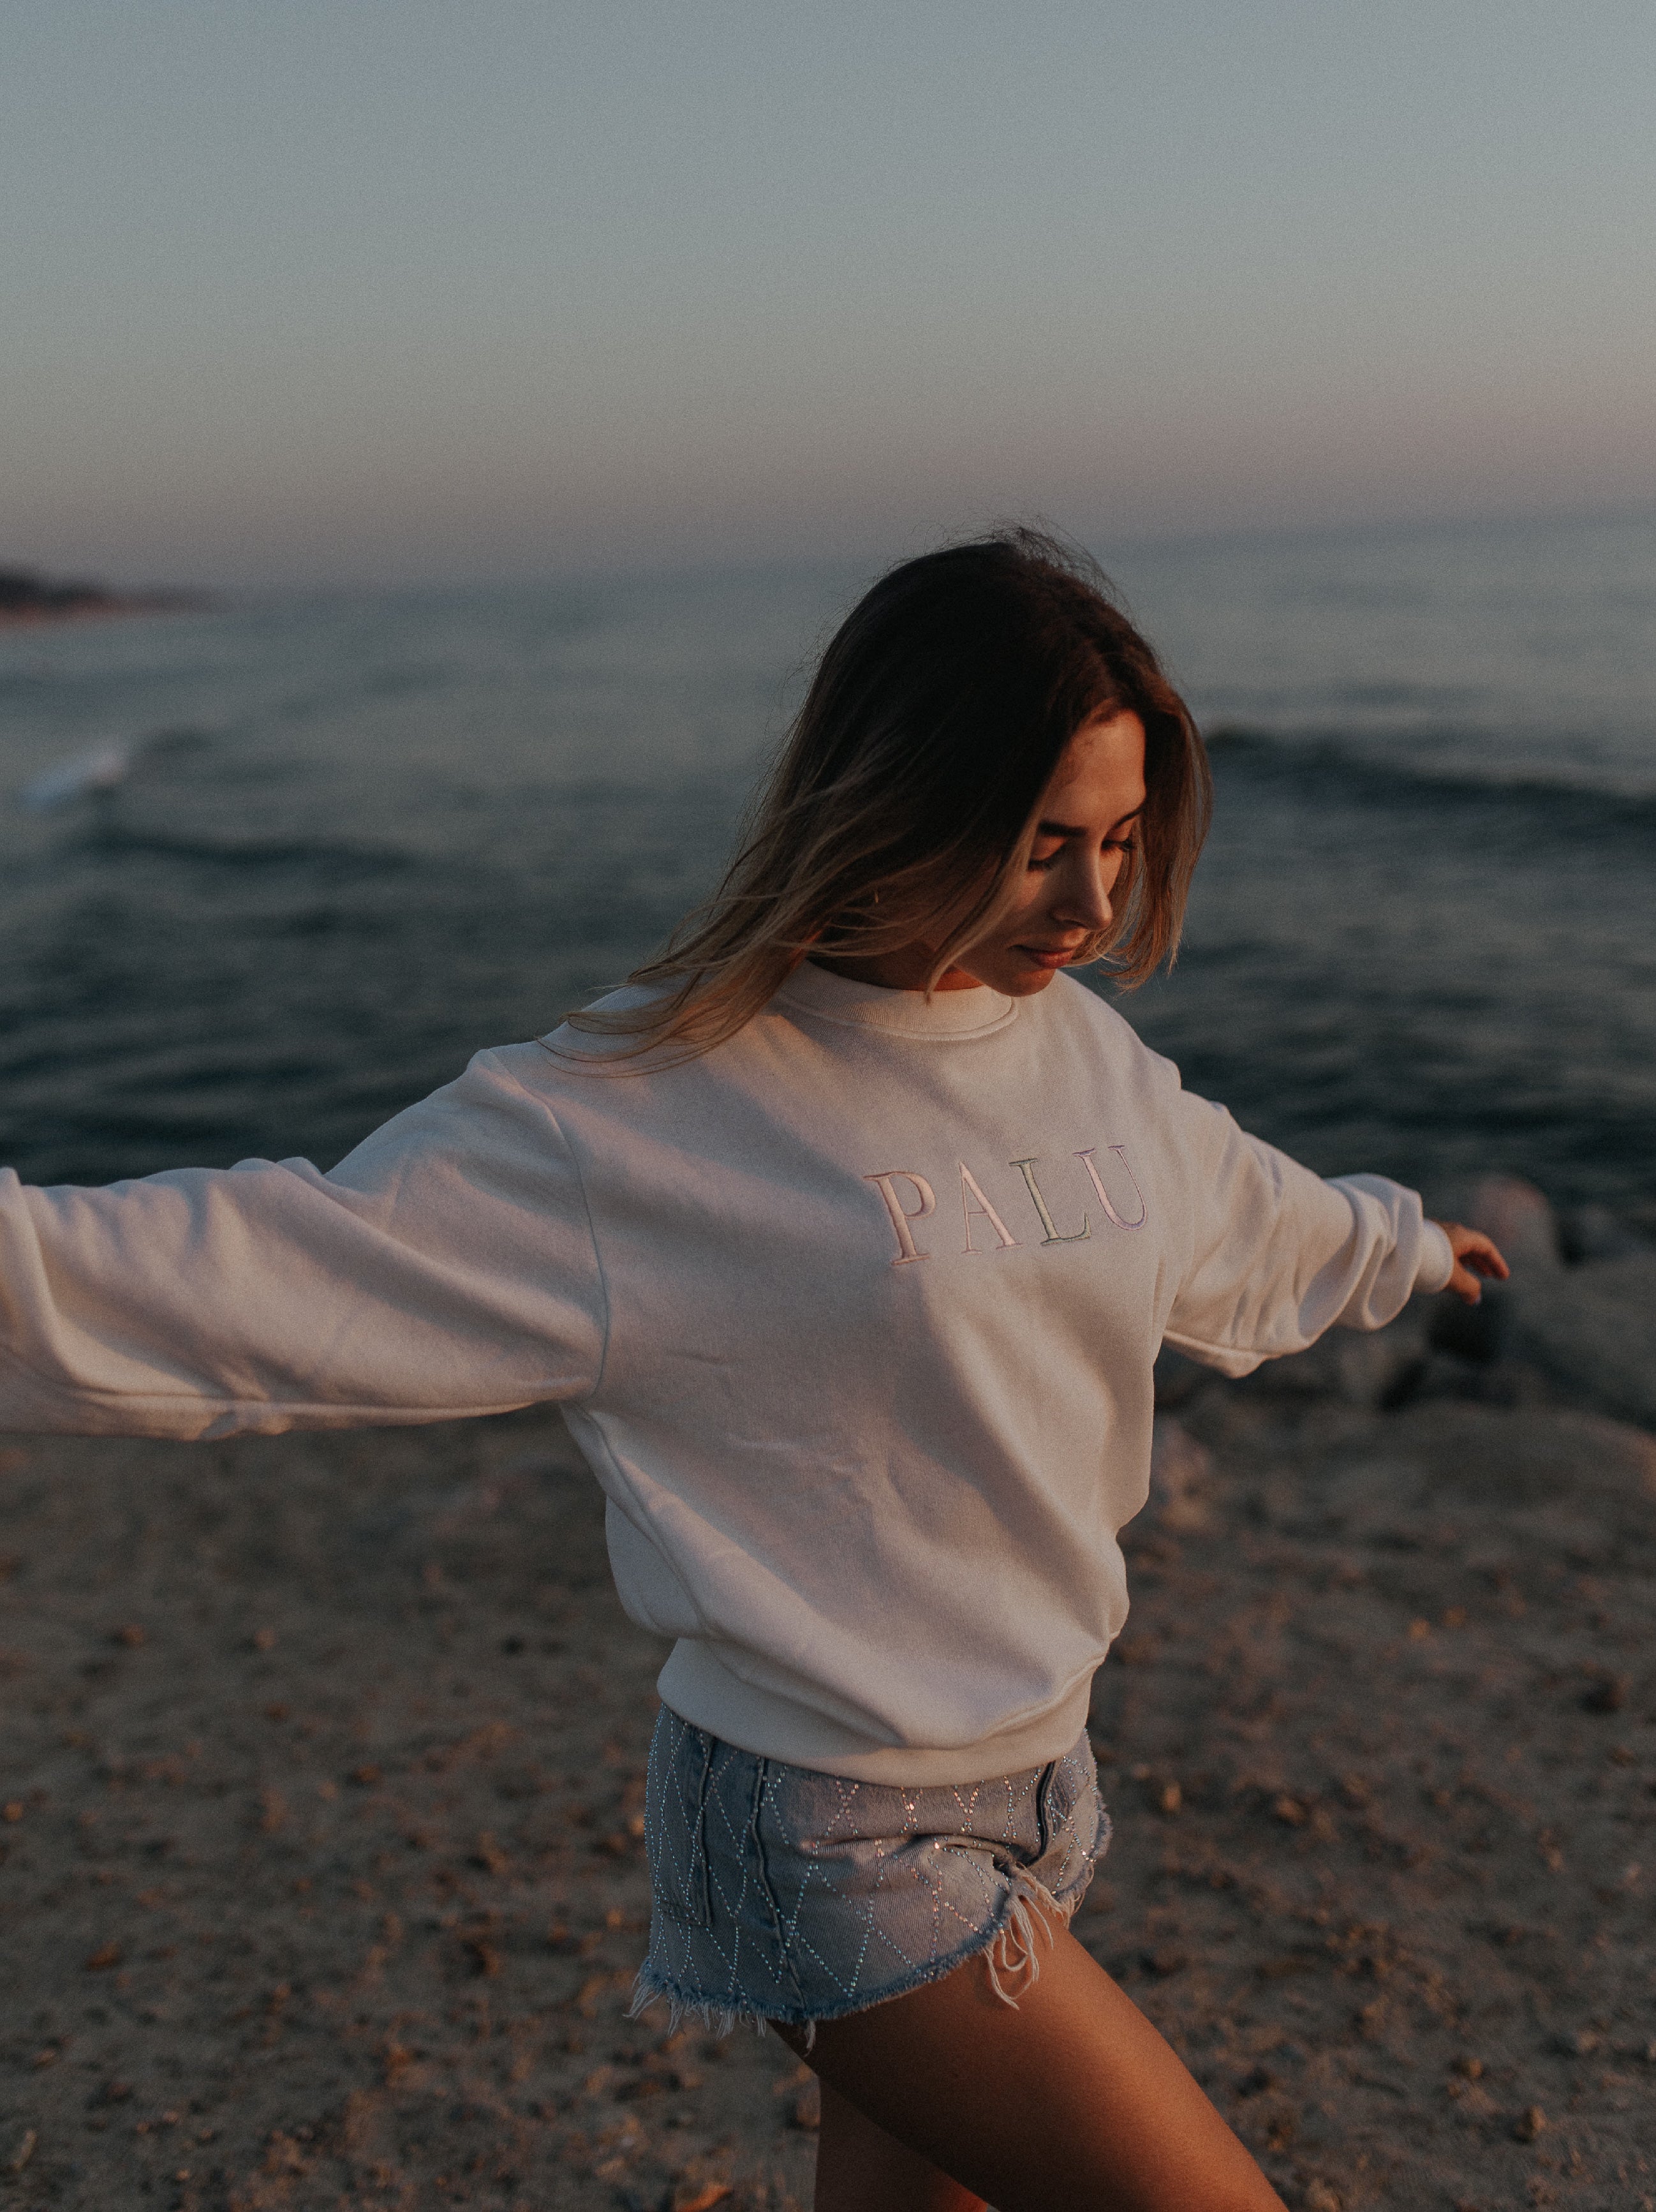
(973, 1013)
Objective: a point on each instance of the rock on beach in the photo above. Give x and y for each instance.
(1594, 1328)
(1589, 1327)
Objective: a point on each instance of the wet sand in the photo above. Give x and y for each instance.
(321, 1873)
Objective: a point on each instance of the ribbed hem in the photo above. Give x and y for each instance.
(702, 1689)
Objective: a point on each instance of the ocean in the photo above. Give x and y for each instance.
(271, 871)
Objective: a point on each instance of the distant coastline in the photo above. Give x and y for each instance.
(29, 600)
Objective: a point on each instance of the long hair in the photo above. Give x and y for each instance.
(908, 790)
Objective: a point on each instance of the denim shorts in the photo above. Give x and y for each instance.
(783, 1894)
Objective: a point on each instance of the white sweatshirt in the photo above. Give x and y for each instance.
(854, 1318)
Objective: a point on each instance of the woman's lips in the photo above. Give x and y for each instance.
(1046, 957)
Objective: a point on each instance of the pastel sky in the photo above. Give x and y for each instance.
(396, 289)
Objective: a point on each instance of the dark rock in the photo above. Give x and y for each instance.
(1477, 1333)
(1590, 1326)
(1519, 1219)
(1521, 1222)
(1494, 1381)
(1593, 1232)
(1361, 1367)
(1594, 1326)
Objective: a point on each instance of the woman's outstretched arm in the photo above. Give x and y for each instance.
(445, 1266)
(1279, 1256)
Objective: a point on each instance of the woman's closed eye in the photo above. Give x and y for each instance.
(1043, 862)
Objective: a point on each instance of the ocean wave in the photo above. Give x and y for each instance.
(335, 857)
(1333, 766)
(104, 766)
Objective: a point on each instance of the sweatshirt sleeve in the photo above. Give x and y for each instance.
(1279, 1256)
(447, 1267)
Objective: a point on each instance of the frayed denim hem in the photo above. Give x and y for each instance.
(1010, 1947)
(721, 2019)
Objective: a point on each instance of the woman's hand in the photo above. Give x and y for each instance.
(1475, 1255)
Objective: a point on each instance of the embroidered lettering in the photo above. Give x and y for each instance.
(907, 1249)
(1027, 1167)
(1120, 1151)
(973, 1201)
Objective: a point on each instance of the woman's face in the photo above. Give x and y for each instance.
(1086, 824)
(1088, 814)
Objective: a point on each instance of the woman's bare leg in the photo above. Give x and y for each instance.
(1071, 2099)
(858, 2163)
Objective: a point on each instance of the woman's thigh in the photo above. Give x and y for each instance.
(1070, 2098)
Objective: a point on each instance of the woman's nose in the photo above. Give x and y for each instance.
(1084, 897)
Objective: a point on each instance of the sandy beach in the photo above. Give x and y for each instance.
(321, 1859)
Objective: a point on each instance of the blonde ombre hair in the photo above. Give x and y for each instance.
(905, 798)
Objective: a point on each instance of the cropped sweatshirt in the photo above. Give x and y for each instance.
(853, 1319)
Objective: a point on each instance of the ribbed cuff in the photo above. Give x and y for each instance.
(1437, 1259)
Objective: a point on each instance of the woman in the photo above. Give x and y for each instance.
(847, 1237)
